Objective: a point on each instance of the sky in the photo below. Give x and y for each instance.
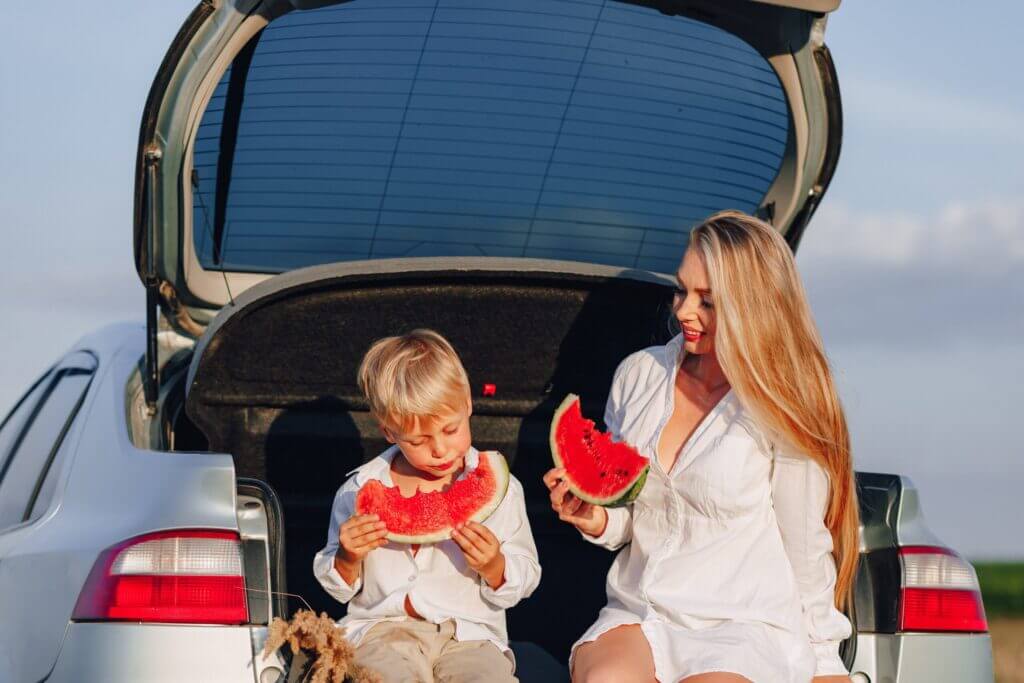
(914, 263)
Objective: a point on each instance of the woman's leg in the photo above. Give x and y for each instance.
(621, 654)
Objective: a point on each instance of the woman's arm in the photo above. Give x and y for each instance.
(800, 493)
(609, 528)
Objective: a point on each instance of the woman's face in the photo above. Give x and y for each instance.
(693, 305)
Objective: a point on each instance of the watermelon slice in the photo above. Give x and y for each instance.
(597, 469)
(430, 517)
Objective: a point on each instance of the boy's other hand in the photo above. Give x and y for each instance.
(482, 550)
(588, 518)
(356, 538)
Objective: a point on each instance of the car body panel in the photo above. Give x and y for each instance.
(142, 491)
(127, 653)
(932, 657)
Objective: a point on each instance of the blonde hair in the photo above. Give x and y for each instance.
(772, 354)
(413, 376)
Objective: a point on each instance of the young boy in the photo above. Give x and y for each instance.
(435, 612)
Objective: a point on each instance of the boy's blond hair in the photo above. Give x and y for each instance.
(413, 376)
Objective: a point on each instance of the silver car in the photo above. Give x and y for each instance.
(313, 175)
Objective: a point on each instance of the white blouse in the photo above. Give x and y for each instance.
(730, 546)
(439, 583)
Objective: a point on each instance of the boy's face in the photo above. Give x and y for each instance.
(435, 447)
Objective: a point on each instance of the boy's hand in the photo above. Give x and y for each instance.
(588, 518)
(482, 550)
(356, 538)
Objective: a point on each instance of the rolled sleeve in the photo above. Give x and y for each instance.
(323, 561)
(331, 580)
(617, 532)
(522, 566)
(800, 493)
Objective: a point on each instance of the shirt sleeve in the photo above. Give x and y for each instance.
(522, 567)
(800, 490)
(619, 530)
(323, 561)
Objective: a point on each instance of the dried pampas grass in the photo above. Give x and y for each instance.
(320, 637)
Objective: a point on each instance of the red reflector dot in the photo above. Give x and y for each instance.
(490, 389)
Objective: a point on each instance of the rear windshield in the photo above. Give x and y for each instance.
(565, 129)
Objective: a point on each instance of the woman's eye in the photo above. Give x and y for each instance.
(706, 303)
(679, 292)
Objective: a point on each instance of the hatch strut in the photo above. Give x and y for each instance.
(151, 374)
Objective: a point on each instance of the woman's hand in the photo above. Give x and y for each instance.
(482, 551)
(588, 518)
(356, 538)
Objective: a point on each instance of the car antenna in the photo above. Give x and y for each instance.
(206, 229)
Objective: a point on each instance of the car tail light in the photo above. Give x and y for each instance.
(180, 576)
(940, 592)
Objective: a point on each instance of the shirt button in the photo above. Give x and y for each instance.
(412, 577)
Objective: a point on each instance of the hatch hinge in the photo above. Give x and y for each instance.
(151, 374)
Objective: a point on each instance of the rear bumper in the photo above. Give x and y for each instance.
(933, 657)
(116, 653)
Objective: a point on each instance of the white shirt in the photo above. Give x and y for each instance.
(439, 583)
(734, 532)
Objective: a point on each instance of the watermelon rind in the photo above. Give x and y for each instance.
(625, 498)
(499, 467)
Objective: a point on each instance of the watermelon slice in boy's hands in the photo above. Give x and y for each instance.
(429, 517)
(597, 469)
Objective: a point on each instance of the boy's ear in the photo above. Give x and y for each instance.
(386, 432)
(469, 406)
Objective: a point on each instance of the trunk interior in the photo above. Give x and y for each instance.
(274, 385)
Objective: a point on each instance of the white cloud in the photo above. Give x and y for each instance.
(918, 280)
(960, 236)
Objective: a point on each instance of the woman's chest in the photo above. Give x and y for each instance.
(721, 474)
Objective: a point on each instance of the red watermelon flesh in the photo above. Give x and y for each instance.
(597, 469)
(429, 517)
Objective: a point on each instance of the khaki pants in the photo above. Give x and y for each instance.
(421, 652)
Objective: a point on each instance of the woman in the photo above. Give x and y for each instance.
(743, 542)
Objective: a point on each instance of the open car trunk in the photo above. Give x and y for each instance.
(273, 382)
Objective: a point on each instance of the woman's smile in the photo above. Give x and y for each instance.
(691, 334)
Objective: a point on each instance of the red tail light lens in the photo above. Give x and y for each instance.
(168, 577)
(940, 592)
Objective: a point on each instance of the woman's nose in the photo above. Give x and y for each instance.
(685, 310)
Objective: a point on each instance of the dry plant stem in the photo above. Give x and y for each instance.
(319, 634)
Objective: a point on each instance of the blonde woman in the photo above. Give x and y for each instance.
(741, 549)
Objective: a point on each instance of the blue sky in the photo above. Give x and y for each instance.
(914, 263)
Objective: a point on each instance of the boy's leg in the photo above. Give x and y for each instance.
(472, 661)
(396, 651)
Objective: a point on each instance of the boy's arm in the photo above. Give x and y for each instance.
(522, 568)
(323, 562)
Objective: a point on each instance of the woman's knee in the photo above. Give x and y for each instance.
(605, 672)
(617, 656)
